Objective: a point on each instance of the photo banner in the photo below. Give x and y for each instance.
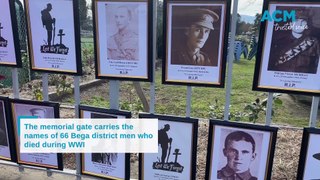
(54, 36)
(196, 42)
(123, 38)
(9, 39)
(289, 60)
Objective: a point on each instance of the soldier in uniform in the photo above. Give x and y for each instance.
(296, 51)
(196, 32)
(239, 148)
(164, 141)
(123, 45)
(47, 21)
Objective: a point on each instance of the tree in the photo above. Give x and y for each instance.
(242, 27)
(256, 24)
(160, 29)
(83, 13)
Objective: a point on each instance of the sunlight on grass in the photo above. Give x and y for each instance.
(171, 99)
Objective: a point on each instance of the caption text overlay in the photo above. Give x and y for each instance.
(88, 135)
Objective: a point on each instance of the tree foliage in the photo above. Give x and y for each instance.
(160, 29)
(83, 14)
(242, 27)
(256, 24)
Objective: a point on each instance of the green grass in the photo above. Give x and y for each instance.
(171, 99)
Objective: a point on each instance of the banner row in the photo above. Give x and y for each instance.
(234, 149)
(195, 39)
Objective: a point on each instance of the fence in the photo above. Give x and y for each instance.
(114, 93)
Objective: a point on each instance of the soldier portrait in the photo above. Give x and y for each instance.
(192, 28)
(195, 39)
(294, 47)
(239, 151)
(289, 49)
(123, 46)
(39, 110)
(123, 42)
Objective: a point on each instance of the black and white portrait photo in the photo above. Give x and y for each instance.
(195, 42)
(191, 28)
(105, 165)
(238, 153)
(38, 110)
(295, 49)
(122, 29)
(53, 33)
(123, 44)
(9, 40)
(104, 158)
(175, 157)
(291, 50)
(309, 162)
(239, 149)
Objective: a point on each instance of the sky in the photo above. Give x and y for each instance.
(249, 7)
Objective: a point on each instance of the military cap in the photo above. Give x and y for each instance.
(301, 13)
(317, 156)
(36, 110)
(202, 17)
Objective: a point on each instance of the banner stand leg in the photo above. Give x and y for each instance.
(314, 112)
(230, 60)
(45, 91)
(189, 94)
(114, 86)
(15, 82)
(269, 109)
(77, 115)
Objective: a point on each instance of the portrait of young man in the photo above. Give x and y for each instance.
(39, 110)
(195, 38)
(293, 47)
(124, 43)
(193, 29)
(240, 151)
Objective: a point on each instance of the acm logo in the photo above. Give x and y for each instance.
(279, 16)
